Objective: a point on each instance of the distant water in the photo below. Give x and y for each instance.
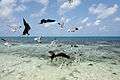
(66, 40)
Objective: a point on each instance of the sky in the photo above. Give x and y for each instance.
(91, 17)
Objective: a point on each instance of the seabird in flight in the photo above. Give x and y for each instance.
(73, 29)
(61, 25)
(27, 27)
(46, 21)
(61, 54)
(14, 28)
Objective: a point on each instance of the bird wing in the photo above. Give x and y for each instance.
(50, 20)
(27, 26)
(62, 55)
(43, 21)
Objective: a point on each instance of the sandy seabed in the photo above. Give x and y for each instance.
(31, 62)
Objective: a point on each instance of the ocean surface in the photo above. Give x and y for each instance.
(66, 40)
(91, 58)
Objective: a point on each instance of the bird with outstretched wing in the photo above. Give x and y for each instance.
(27, 27)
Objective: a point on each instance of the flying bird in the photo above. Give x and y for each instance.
(73, 29)
(61, 25)
(46, 21)
(61, 54)
(27, 27)
(14, 28)
(62, 21)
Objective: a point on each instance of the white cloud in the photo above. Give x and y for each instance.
(26, 1)
(65, 20)
(44, 2)
(104, 28)
(84, 20)
(7, 8)
(88, 24)
(47, 25)
(5, 12)
(20, 8)
(42, 11)
(102, 11)
(61, 1)
(80, 28)
(35, 15)
(92, 23)
(97, 22)
(117, 19)
(39, 14)
(66, 6)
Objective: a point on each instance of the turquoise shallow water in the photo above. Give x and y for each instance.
(88, 57)
(95, 47)
(67, 40)
(83, 52)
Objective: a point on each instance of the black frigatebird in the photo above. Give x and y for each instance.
(46, 21)
(27, 27)
(61, 54)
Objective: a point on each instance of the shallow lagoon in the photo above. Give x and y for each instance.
(31, 62)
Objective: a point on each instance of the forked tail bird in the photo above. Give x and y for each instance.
(61, 54)
(27, 27)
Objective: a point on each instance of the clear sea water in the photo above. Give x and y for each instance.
(66, 40)
(31, 61)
